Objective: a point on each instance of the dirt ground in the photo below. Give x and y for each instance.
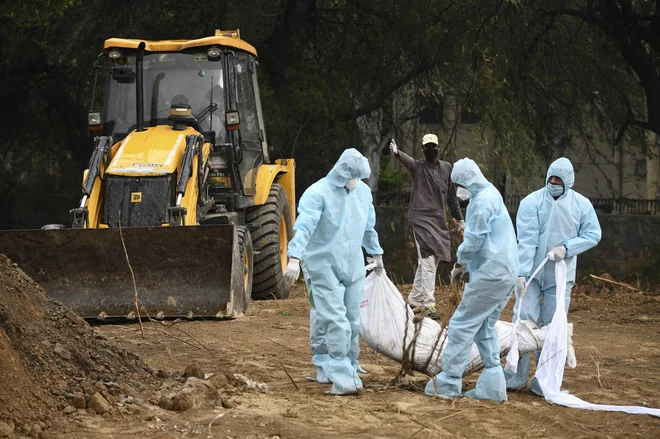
(257, 388)
(618, 350)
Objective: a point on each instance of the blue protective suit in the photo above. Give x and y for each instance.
(332, 226)
(543, 223)
(490, 255)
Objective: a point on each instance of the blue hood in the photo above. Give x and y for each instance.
(563, 169)
(350, 165)
(467, 173)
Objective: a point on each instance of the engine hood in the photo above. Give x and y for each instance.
(155, 151)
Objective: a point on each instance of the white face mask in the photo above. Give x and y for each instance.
(351, 184)
(463, 193)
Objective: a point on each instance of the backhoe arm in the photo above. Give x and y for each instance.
(178, 213)
(99, 157)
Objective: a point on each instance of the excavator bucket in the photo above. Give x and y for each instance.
(178, 271)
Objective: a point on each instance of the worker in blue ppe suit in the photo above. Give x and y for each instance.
(488, 253)
(336, 217)
(553, 219)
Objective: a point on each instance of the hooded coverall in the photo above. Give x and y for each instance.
(333, 224)
(490, 255)
(544, 223)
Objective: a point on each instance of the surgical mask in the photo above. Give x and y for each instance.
(351, 184)
(431, 154)
(556, 190)
(463, 193)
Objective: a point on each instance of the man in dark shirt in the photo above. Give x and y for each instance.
(432, 191)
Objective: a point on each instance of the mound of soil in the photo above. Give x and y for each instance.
(52, 361)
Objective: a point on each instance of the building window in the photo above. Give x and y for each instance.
(468, 118)
(431, 115)
(640, 168)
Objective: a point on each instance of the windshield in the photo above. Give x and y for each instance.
(169, 78)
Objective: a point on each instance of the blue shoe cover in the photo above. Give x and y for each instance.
(345, 380)
(321, 363)
(444, 385)
(518, 380)
(535, 387)
(490, 386)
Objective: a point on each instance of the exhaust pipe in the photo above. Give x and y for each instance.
(139, 86)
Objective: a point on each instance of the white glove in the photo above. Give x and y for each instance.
(522, 287)
(557, 254)
(461, 224)
(378, 259)
(292, 271)
(457, 272)
(393, 147)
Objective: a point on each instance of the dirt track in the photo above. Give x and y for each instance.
(617, 343)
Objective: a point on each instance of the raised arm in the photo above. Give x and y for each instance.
(404, 158)
(407, 161)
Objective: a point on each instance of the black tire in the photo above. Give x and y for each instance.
(269, 263)
(245, 248)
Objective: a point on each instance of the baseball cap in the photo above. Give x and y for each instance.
(429, 138)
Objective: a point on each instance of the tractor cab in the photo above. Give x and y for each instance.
(209, 84)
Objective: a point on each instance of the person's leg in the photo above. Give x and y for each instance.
(531, 310)
(550, 303)
(429, 268)
(352, 299)
(316, 331)
(316, 335)
(460, 333)
(491, 384)
(416, 296)
(329, 299)
(319, 351)
(475, 307)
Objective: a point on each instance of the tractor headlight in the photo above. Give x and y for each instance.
(94, 118)
(233, 120)
(213, 52)
(94, 122)
(115, 54)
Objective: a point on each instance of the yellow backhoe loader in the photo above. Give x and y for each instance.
(182, 208)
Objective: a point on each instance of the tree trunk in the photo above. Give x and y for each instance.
(379, 126)
(374, 139)
(652, 166)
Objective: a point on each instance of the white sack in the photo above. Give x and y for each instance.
(385, 317)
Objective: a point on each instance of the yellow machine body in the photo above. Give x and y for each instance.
(191, 207)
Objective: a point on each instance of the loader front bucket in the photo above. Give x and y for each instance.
(179, 271)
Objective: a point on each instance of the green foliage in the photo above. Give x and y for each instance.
(391, 180)
(541, 75)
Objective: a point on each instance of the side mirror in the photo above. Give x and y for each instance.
(94, 122)
(233, 120)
